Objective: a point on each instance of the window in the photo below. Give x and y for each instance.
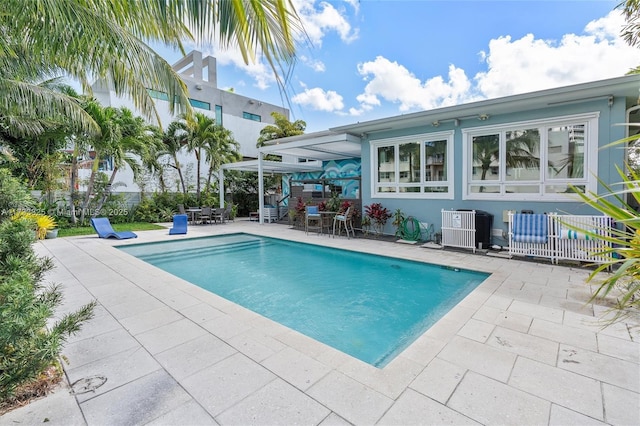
(156, 94)
(249, 116)
(413, 167)
(219, 115)
(200, 104)
(531, 161)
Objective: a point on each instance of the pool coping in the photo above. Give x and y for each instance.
(514, 338)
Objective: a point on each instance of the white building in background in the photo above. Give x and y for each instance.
(242, 115)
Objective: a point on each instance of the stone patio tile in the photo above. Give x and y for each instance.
(618, 348)
(88, 350)
(478, 357)
(390, 381)
(499, 302)
(561, 333)
(225, 326)
(278, 403)
(621, 406)
(255, 345)
(195, 355)
(102, 322)
(444, 330)
(566, 304)
(488, 401)
(528, 295)
(138, 402)
(564, 388)
(189, 413)
(118, 369)
(523, 344)
(561, 416)
(597, 324)
(547, 290)
(135, 306)
(334, 420)
(413, 408)
(537, 311)
(59, 408)
(438, 380)
(600, 367)
(201, 312)
(173, 297)
(145, 321)
(170, 335)
(504, 318)
(226, 383)
(350, 399)
(423, 349)
(296, 368)
(476, 330)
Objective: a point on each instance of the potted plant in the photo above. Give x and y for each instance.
(42, 223)
(378, 216)
(333, 203)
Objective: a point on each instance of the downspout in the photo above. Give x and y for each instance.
(260, 189)
(221, 186)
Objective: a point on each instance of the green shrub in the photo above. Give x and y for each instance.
(14, 196)
(28, 346)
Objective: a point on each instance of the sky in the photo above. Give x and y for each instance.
(369, 59)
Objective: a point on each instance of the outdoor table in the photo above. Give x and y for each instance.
(327, 219)
(192, 213)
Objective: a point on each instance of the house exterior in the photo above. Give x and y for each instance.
(519, 153)
(243, 116)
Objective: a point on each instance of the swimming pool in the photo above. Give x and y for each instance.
(370, 307)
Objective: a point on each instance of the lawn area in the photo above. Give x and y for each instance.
(88, 230)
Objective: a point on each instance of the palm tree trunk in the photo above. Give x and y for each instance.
(87, 197)
(198, 175)
(177, 166)
(107, 192)
(74, 180)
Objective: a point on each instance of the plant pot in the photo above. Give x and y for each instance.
(53, 233)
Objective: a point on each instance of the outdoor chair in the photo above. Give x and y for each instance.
(103, 228)
(227, 213)
(313, 219)
(205, 215)
(179, 224)
(345, 220)
(218, 215)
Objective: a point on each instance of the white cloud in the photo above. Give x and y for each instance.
(394, 83)
(317, 22)
(314, 64)
(513, 66)
(319, 99)
(529, 64)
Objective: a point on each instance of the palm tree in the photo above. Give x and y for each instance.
(88, 39)
(172, 141)
(222, 148)
(131, 136)
(282, 128)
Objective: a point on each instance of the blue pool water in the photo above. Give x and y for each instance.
(370, 307)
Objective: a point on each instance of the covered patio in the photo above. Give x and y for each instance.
(313, 148)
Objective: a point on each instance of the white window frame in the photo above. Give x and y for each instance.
(590, 120)
(421, 138)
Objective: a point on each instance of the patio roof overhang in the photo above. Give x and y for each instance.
(273, 166)
(321, 146)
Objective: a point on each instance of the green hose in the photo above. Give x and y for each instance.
(411, 229)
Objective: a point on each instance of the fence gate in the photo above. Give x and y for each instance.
(459, 229)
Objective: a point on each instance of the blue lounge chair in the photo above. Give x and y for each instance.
(179, 224)
(103, 228)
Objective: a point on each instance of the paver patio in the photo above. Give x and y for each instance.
(522, 348)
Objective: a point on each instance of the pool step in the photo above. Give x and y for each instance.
(187, 253)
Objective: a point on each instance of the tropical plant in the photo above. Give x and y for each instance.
(398, 220)
(220, 149)
(41, 222)
(281, 129)
(14, 197)
(109, 40)
(624, 249)
(333, 203)
(30, 339)
(378, 215)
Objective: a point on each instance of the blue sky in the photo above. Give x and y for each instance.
(373, 59)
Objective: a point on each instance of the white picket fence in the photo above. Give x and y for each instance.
(459, 229)
(563, 243)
